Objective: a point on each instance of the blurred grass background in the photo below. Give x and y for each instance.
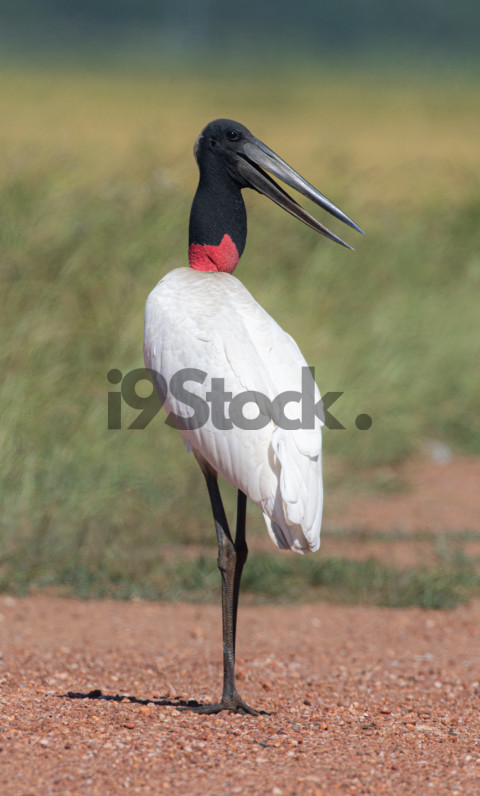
(95, 191)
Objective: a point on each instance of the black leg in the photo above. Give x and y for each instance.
(241, 550)
(231, 558)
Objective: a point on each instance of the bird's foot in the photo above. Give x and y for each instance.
(234, 704)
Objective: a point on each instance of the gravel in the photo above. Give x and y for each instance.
(356, 699)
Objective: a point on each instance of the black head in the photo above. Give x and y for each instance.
(220, 144)
(226, 150)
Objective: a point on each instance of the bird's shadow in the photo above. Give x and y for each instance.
(174, 702)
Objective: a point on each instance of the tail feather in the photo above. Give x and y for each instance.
(295, 520)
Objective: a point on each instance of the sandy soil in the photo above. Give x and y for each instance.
(418, 495)
(357, 700)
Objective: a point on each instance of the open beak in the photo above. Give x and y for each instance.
(254, 157)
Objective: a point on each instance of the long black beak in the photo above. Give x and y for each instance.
(254, 157)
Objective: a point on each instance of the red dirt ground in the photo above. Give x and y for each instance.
(426, 497)
(358, 700)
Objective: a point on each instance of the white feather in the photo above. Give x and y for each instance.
(210, 321)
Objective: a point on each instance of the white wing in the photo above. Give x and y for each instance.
(209, 321)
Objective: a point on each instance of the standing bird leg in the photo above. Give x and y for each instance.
(231, 558)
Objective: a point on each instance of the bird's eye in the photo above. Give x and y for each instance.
(233, 135)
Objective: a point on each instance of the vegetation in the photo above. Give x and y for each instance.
(95, 195)
(278, 578)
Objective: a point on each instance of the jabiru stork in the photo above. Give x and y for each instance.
(203, 319)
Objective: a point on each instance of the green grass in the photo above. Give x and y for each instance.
(266, 579)
(95, 195)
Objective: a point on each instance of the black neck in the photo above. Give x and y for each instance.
(218, 209)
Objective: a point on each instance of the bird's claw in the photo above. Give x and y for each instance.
(233, 704)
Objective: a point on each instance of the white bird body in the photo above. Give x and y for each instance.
(210, 321)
